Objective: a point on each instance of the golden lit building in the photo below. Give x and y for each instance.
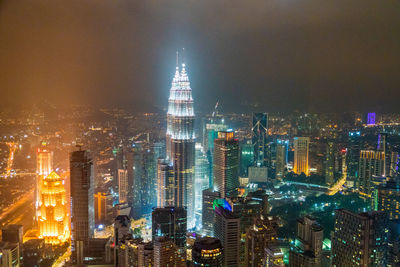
(44, 166)
(52, 211)
(301, 150)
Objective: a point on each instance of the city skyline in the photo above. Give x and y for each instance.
(286, 153)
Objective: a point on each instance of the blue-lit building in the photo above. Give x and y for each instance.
(201, 180)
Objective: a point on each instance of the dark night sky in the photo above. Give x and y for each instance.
(314, 55)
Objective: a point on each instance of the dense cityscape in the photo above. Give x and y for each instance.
(85, 186)
(182, 133)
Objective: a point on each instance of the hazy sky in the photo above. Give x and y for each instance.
(316, 55)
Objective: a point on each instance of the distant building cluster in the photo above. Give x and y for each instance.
(193, 189)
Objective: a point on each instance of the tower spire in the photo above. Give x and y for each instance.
(177, 60)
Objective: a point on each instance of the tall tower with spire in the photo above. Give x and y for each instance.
(180, 139)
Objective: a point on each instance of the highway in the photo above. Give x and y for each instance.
(21, 212)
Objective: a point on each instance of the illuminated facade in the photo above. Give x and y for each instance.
(44, 166)
(207, 251)
(281, 157)
(301, 149)
(226, 163)
(180, 141)
(53, 219)
(227, 229)
(260, 137)
(123, 185)
(201, 178)
(371, 166)
(360, 239)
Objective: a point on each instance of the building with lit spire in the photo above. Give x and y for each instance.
(180, 141)
(52, 214)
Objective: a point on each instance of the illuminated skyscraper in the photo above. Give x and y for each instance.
(360, 239)
(260, 136)
(307, 249)
(246, 158)
(82, 203)
(44, 160)
(353, 154)
(281, 157)
(53, 219)
(227, 229)
(123, 185)
(171, 222)
(180, 140)
(371, 166)
(201, 179)
(208, 215)
(44, 166)
(226, 163)
(165, 184)
(301, 149)
(211, 127)
(330, 163)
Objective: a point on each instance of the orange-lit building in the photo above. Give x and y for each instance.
(44, 166)
(301, 149)
(52, 210)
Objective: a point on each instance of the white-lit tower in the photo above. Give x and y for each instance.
(180, 141)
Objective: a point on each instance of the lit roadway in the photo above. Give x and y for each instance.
(337, 186)
(21, 212)
(13, 147)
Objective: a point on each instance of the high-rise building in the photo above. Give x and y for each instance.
(82, 203)
(165, 184)
(281, 157)
(201, 179)
(144, 179)
(371, 166)
(44, 166)
(165, 253)
(330, 163)
(208, 214)
(180, 141)
(207, 251)
(123, 185)
(260, 137)
(12, 233)
(249, 207)
(394, 163)
(227, 229)
(9, 254)
(389, 199)
(353, 154)
(103, 204)
(226, 163)
(360, 239)
(44, 160)
(301, 150)
(122, 233)
(246, 157)
(211, 127)
(307, 249)
(170, 222)
(53, 219)
(273, 256)
(259, 236)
